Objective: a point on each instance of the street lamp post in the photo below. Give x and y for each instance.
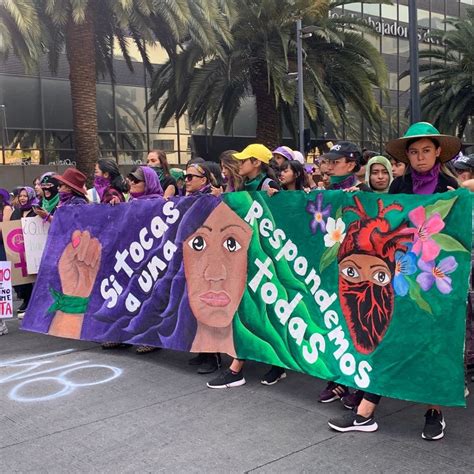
(414, 68)
(299, 54)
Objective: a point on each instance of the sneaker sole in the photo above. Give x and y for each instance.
(435, 438)
(349, 407)
(330, 400)
(281, 377)
(365, 428)
(237, 383)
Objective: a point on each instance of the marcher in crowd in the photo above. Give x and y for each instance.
(157, 160)
(26, 201)
(378, 174)
(398, 167)
(109, 184)
(343, 162)
(72, 188)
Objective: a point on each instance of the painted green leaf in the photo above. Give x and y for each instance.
(442, 207)
(448, 243)
(328, 257)
(415, 295)
(338, 214)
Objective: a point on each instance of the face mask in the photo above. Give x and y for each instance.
(65, 196)
(137, 195)
(100, 185)
(159, 172)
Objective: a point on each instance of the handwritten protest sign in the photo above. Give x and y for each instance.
(6, 297)
(35, 234)
(349, 287)
(15, 250)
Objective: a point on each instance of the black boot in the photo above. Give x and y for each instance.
(199, 359)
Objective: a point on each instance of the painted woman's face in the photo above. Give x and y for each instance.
(215, 266)
(366, 297)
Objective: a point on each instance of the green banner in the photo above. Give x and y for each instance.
(366, 290)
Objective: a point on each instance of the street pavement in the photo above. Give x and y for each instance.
(69, 406)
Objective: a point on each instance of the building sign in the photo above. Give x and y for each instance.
(396, 29)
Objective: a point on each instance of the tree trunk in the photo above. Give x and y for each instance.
(80, 50)
(268, 118)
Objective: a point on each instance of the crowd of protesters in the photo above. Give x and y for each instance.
(423, 161)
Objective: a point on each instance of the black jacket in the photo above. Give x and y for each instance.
(404, 184)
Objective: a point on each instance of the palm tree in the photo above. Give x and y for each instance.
(88, 29)
(341, 68)
(448, 98)
(19, 32)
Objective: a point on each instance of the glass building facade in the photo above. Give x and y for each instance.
(36, 117)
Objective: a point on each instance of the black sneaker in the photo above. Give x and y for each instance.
(212, 362)
(198, 360)
(352, 399)
(273, 375)
(333, 392)
(353, 422)
(434, 425)
(227, 379)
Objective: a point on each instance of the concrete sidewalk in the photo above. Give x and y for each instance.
(153, 413)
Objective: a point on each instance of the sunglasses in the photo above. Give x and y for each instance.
(133, 179)
(190, 177)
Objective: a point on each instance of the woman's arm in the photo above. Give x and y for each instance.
(169, 191)
(7, 213)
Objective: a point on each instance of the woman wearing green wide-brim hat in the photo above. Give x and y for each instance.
(425, 150)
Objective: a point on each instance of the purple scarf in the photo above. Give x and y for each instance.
(425, 183)
(101, 184)
(32, 199)
(347, 183)
(68, 199)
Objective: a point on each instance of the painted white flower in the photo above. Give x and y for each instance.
(335, 232)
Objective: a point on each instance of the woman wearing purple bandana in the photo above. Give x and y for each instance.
(108, 182)
(425, 151)
(144, 183)
(26, 200)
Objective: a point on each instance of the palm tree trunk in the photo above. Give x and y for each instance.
(268, 118)
(80, 50)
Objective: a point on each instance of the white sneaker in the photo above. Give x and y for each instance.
(3, 328)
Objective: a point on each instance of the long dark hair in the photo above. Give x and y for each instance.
(163, 161)
(298, 170)
(216, 173)
(108, 165)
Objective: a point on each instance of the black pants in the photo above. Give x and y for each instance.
(24, 291)
(371, 397)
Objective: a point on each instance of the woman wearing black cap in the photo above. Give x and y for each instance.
(343, 162)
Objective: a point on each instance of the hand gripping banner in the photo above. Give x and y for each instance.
(367, 290)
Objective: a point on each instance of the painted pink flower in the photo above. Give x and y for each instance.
(422, 233)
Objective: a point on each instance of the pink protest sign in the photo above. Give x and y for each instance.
(6, 297)
(15, 250)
